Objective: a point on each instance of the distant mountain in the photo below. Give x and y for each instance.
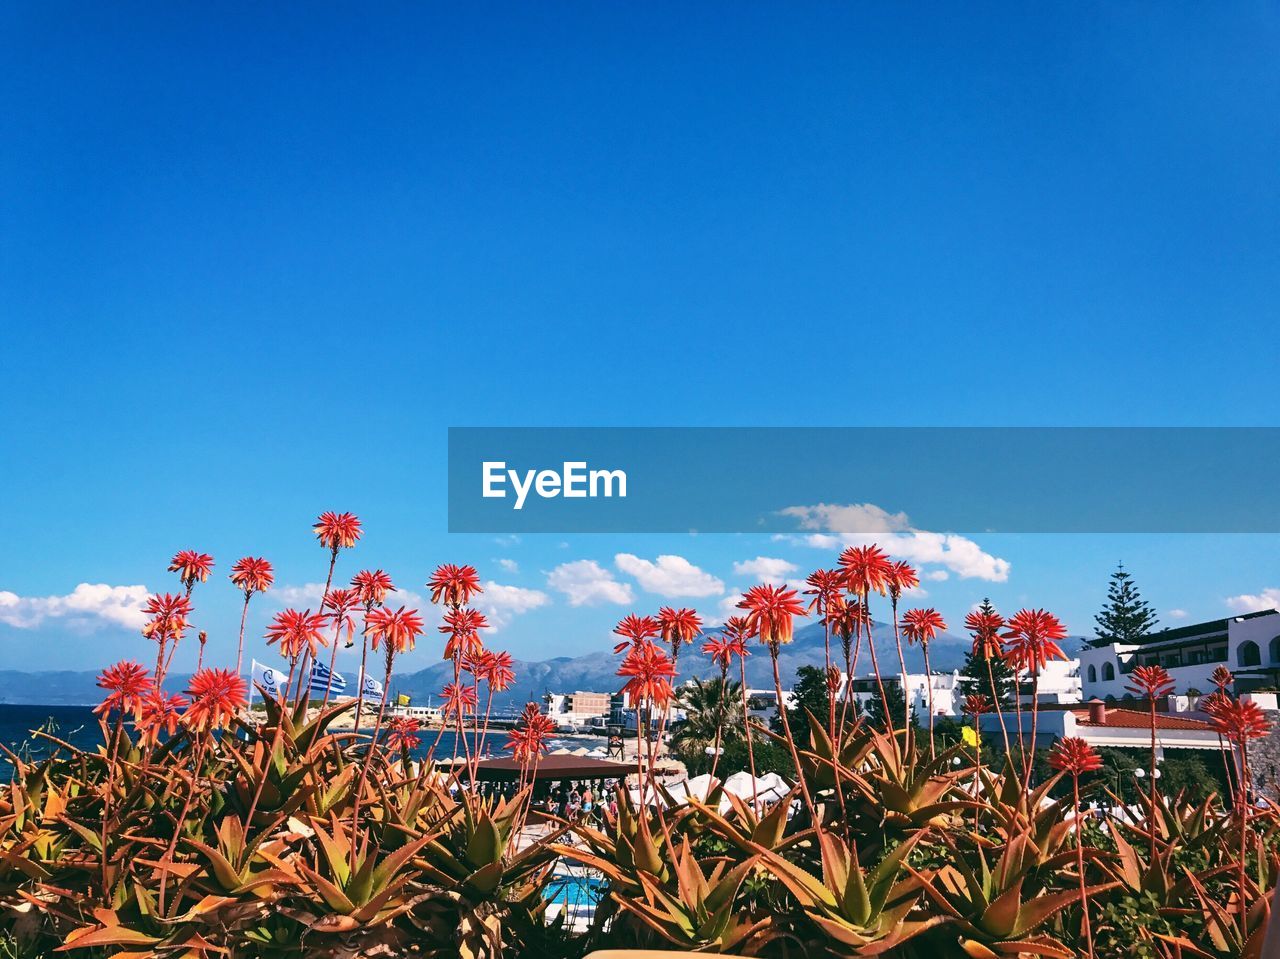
(595, 671)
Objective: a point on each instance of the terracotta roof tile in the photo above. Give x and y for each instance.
(1134, 719)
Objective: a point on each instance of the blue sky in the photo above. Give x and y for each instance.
(254, 262)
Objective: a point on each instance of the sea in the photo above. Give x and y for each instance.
(78, 726)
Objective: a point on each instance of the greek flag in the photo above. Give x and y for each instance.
(270, 679)
(370, 688)
(320, 681)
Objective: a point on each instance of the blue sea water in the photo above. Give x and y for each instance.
(78, 726)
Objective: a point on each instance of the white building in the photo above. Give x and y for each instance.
(1248, 645)
(1059, 685)
(1100, 724)
(579, 710)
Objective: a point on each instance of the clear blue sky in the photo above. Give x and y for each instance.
(253, 262)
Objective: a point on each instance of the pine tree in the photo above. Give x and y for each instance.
(1125, 617)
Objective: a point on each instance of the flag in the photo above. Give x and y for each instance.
(320, 681)
(270, 679)
(970, 735)
(403, 699)
(370, 687)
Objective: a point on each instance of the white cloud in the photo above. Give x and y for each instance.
(669, 576)
(835, 527)
(1177, 614)
(727, 607)
(765, 569)
(937, 575)
(88, 605)
(1250, 603)
(309, 595)
(501, 604)
(587, 583)
(510, 565)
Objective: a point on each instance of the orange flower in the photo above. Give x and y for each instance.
(677, 626)
(977, 705)
(922, 625)
(1031, 638)
(160, 713)
(253, 574)
(192, 567)
(636, 631)
(848, 618)
(901, 576)
(216, 696)
(459, 696)
(1240, 721)
(295, 631)
(1222, 678)
(463, 625)
(454, 585)
(399, 629)
(770, 612)
(985, 628)
(866, 569)
(372, 585)
(402, 733)
(337, 531)
(340, 604)
(649, 672)
(529, 737)
(825, 586)
(495, 668)
(1151, 681)
(1074, 755)
(168, 612)
(128, 684)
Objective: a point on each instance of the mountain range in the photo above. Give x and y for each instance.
(595, 671)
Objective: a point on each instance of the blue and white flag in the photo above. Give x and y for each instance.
(370, 687)
(321, 682)
(270, 679)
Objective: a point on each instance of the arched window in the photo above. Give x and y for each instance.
(1248, 654)
(1275, 650)
(1108, 672)
(1093, 673)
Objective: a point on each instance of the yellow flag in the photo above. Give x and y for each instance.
(970, 737)
(402, 700)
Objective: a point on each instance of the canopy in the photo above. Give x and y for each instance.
(554, 767)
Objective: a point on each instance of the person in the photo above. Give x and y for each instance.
(575, 802)
(588, 803)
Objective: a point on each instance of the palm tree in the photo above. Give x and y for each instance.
(711, 715)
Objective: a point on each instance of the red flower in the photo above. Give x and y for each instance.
(529, 737)
(337, 531)
(295, 631)
(1240, 721)
(253, 574)
(372, 585)
(160, 713)
(1151, 681)
(770, 611)
(216, 696)
(1074, 755)
(191, 567)
(168, 612)
(985, 628)
(129, 685)
(402, 733)
(495, 668)
(1031, 638)
(825, 586)
(866, 569)
(649, 672)
(922, 625)
(677, 626)
(1213, 703)
(454, 585)
(459, 696)
(846, 619)
(341, 603)
(399, 629)
(1222, 678)
(977, 705)
(636, 631)
(463, 625)
(731, 642)
(902, 576)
